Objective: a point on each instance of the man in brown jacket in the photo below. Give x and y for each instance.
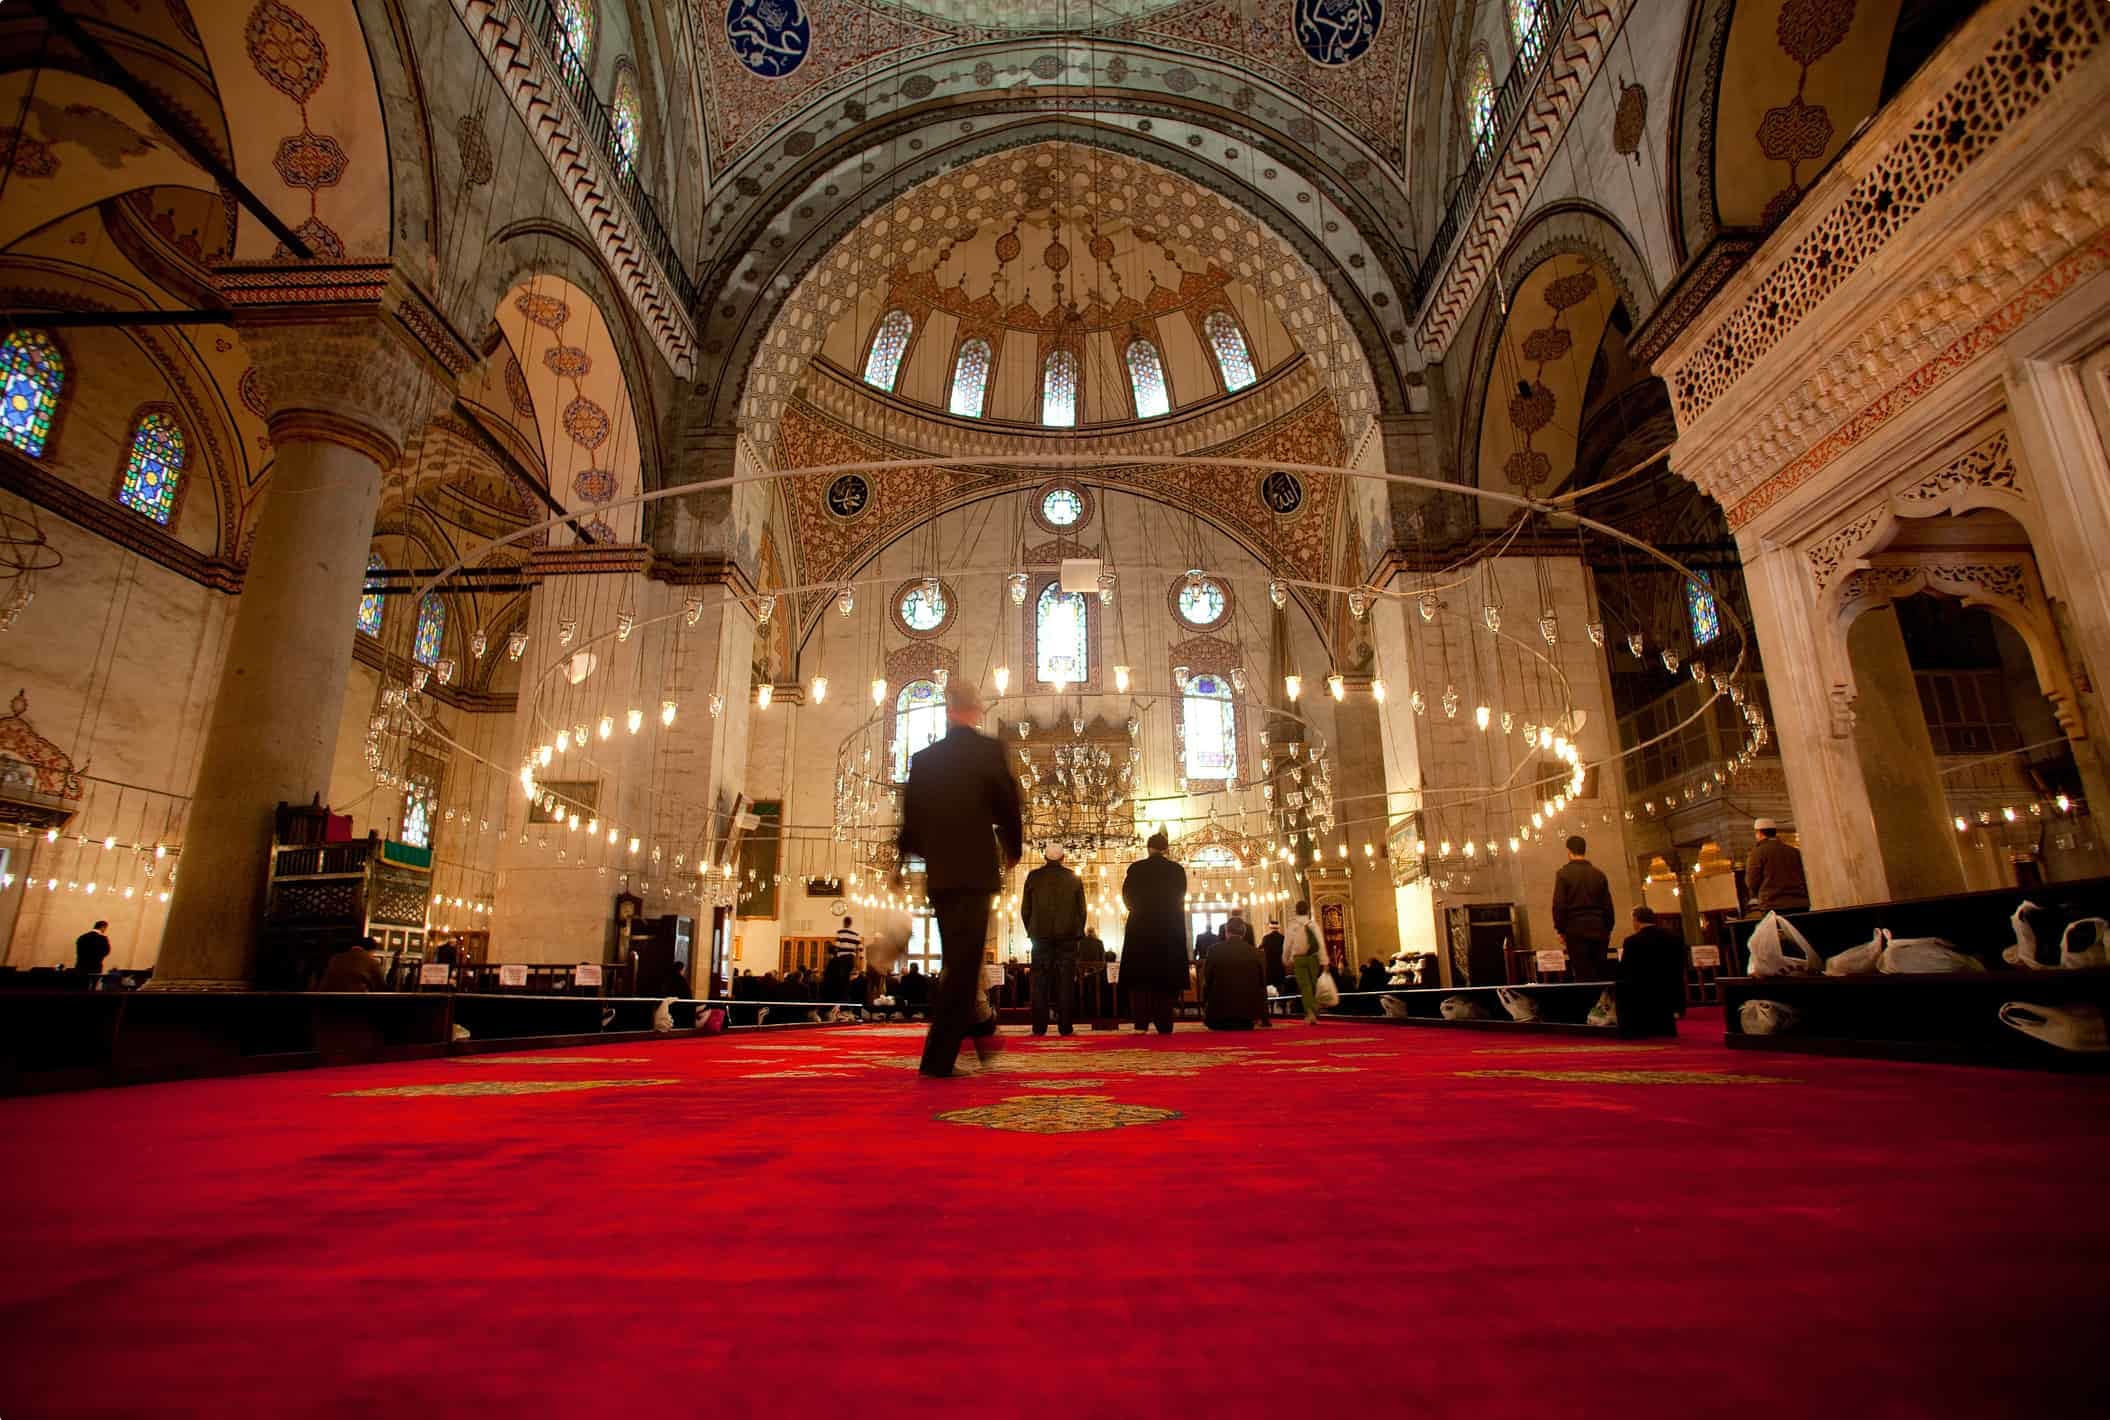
(1773, 873)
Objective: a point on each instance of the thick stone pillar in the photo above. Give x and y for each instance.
(1909, 812)
(346, 380)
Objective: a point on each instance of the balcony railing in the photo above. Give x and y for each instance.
(1510, 95)
(539, 18)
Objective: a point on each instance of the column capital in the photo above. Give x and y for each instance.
(350, 353)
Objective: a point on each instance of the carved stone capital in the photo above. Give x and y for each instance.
(349, 353)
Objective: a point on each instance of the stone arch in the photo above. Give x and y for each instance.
(1350, 355)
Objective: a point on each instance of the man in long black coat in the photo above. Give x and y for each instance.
(1154, 951)
(960, 814)
(1051, 907)
(1651, 979)
(1234, 983)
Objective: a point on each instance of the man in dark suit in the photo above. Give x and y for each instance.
(1234, 981)
(1154, 948)
(1582, 913)
(1051, 907)
(960, 814)
(1651, 978)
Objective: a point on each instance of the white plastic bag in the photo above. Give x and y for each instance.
(2085, 944)
(1768, 1017)
(1324, 991)
(1915, 956)
(1393, 1007)
(1519, 1006)
(1770, 942)
(1462, 1008)
(1855, 961)
(2023, 953)
(2078, 1028)
(663, 1016)
(1605, 1012)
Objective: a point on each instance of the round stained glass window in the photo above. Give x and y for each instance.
(1062, 507)
(923, 608)
(1201, 603)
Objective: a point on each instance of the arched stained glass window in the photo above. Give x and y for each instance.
(32, 373)
(370, 598)
(1233, 357)
(575, 21)
(1146, 376)
(432, 628)
(889, 344)
(970, 379)
(1700, 604)
(919, 721)
(625, 114)
(417, 819)
(153, 467)
(1480, 102)
(1211, 728)
(1062, 636)
(1058, 390)
(1524, 26)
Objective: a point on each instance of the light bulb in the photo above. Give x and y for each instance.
(763, 694)
(544, 754)
(633, 843)
(611, 835)
(1293, 686)
(1001, 679)
(820, 689)
(1121, 679)
(1416, 701)
(1481, 717)
(1377, 690)
(633, 719)
(716, 705)
(161, 850)
(1336, 686)
(879, 692)
(1016, 582)
(1278, 592)
(846, 600)
(563, 741)
(593, 825)
(51, 835)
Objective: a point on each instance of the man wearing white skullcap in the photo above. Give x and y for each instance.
(1773, 873)
(1051, 906)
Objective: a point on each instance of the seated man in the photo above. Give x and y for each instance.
(357, 968)
(1651, 977)
(1233, 984)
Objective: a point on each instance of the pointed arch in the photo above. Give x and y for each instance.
(1234, 355)
(1062, 637)
(889, 344)
(1058, 389)
(626, 114)
(432, 629)
(32, 377)
(1479, 103)
(1146, 379)
(153, 471)
(370, 600)
(970, 378)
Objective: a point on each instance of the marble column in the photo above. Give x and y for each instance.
(1909, 812)
(344, 394)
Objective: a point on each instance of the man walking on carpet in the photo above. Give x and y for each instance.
(1052, 909)
(960, 814)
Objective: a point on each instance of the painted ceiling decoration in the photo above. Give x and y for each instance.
(1206, 232)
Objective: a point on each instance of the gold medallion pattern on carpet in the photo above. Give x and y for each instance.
(501, 1087)
(1627, 1077)
(1058, 1114)
(551, 1059)
(1129, 1061)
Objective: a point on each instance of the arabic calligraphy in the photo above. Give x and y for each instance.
(848, 496)
(770, 37)
(1283, 492)
(1337, 32)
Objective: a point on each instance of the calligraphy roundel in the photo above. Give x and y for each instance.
(768, 37)
(1336, 32)
(849, 496)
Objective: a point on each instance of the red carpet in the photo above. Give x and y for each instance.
(1353, 1220)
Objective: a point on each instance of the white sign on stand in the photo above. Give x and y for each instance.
(434, 973)
(586, 974)
(1706, 956)
(1553, 961)
(992, 973)
(513, 974)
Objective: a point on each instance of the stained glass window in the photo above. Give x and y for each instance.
(1062, 636)
(153, 467)
(1480, 101)
(1201, 603)
(1699, 602)
(1062, 507)
(970, 379)
(1233, 358)
(919, 720)
(625, 114)
(32, 372)
(1524, 23)
(1058, 390)
(370, 598)
(417, 819)
(432, 628)
(1146, 376)
(575, 19)
(923, 607)
(1211, 725)
(889, 344)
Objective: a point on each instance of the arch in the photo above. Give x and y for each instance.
(371, 602)
(1146, 379)
(890, 340)
(152, 476)
(1230, 349)
(626, 114)
(919, 721)
(1062, 637)
(972, 367)
(431, 639)
(1209, 729)
(1061, 390)
(767, 316)
(1477, 95)
(580, 25)
(1524, 27)
(32, 380)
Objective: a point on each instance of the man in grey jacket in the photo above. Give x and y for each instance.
(1052, 908)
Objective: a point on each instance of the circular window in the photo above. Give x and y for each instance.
(924, 607)
(1202, 603)
(1283, 492)
(848, 496)
(1062, 507)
